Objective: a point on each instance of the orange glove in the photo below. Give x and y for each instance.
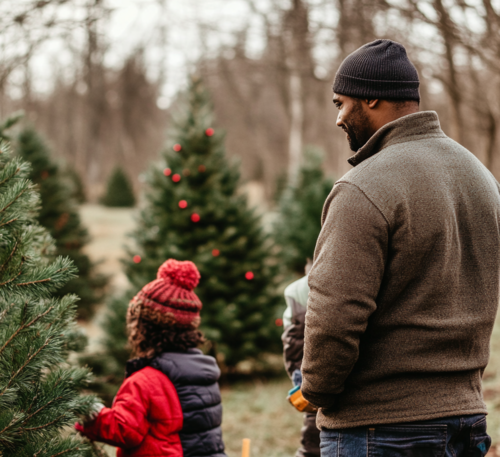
(299, 402)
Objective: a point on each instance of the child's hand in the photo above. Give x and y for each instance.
(299, 402)
(95, 412)
(79, 428)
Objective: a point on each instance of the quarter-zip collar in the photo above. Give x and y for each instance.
(412, 127)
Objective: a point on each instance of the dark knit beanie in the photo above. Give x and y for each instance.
(380, 69)
(169, 299)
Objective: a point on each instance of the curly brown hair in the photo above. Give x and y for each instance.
(150, 337)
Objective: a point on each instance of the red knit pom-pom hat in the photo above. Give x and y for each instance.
(169, 299)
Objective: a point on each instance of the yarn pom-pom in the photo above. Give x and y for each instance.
(182, 274)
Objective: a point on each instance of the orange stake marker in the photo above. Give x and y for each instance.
(246, 448)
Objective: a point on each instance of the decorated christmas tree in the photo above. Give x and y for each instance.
(194, 212)
(299, 222)
(59, 214)
(119, 191)
(39, 390)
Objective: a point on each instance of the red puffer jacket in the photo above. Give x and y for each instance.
(145, 419)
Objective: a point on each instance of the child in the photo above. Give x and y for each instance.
(293, 350)
(169, 403)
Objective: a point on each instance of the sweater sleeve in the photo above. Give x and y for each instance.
(125, 424)
(344, 282)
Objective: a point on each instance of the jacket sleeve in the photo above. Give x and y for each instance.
(349, 263)
(125, 424)
(293, 337)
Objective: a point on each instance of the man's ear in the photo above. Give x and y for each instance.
(372, 103)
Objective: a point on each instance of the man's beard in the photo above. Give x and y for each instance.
(357, 128)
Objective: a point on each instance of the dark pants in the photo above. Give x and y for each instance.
(447, 437)
(309, 438)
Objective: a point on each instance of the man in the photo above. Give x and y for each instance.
(405, 282)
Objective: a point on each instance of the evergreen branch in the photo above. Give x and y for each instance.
(30, 358)
(39, 409)
(65, 452)
(2, 268)
(14, 200)
(9, 222)
(32, 282)
(16, 171)
(17, 276)
(20, 329)
(45, 425)
(3, 314)
(34, 414)
(39, 281)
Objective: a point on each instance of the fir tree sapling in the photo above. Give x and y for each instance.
(194, 212)
(299, 221)
(39, 390)
(119, 191)
(59, 214)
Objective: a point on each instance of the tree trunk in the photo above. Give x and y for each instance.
(299, 64)
(296, 128)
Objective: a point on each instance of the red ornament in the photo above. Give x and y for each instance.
(186, 172)
(137, 259)
(45, 174)
(177, 147)
(249, 275)
(176, 177)
(209, 132)
(202, 168)
(183, 204)
(195, 217)
(167, 172)
(279, 322)
(215, 252)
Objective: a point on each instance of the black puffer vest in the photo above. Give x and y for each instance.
(195, 377)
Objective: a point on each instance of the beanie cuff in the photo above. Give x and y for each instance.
(167, 313)
(371, 89)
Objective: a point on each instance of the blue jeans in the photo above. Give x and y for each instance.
(447, 437)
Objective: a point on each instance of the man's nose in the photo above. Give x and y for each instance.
(339, 120)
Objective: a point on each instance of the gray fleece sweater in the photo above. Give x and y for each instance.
(405, 283)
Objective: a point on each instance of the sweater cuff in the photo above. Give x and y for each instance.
(316, 399)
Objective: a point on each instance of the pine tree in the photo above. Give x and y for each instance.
(59, 214)
(39, 390)
(299, 222)
(10, 122)
(76, 185)
(119, 191)
(194, 212)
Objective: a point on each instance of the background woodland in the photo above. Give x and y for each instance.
(272, 103)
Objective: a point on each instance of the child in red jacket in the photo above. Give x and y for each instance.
(169, 404)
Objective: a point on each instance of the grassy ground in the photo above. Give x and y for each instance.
(261, 412)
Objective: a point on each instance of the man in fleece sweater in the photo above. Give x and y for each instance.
(405, 283)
